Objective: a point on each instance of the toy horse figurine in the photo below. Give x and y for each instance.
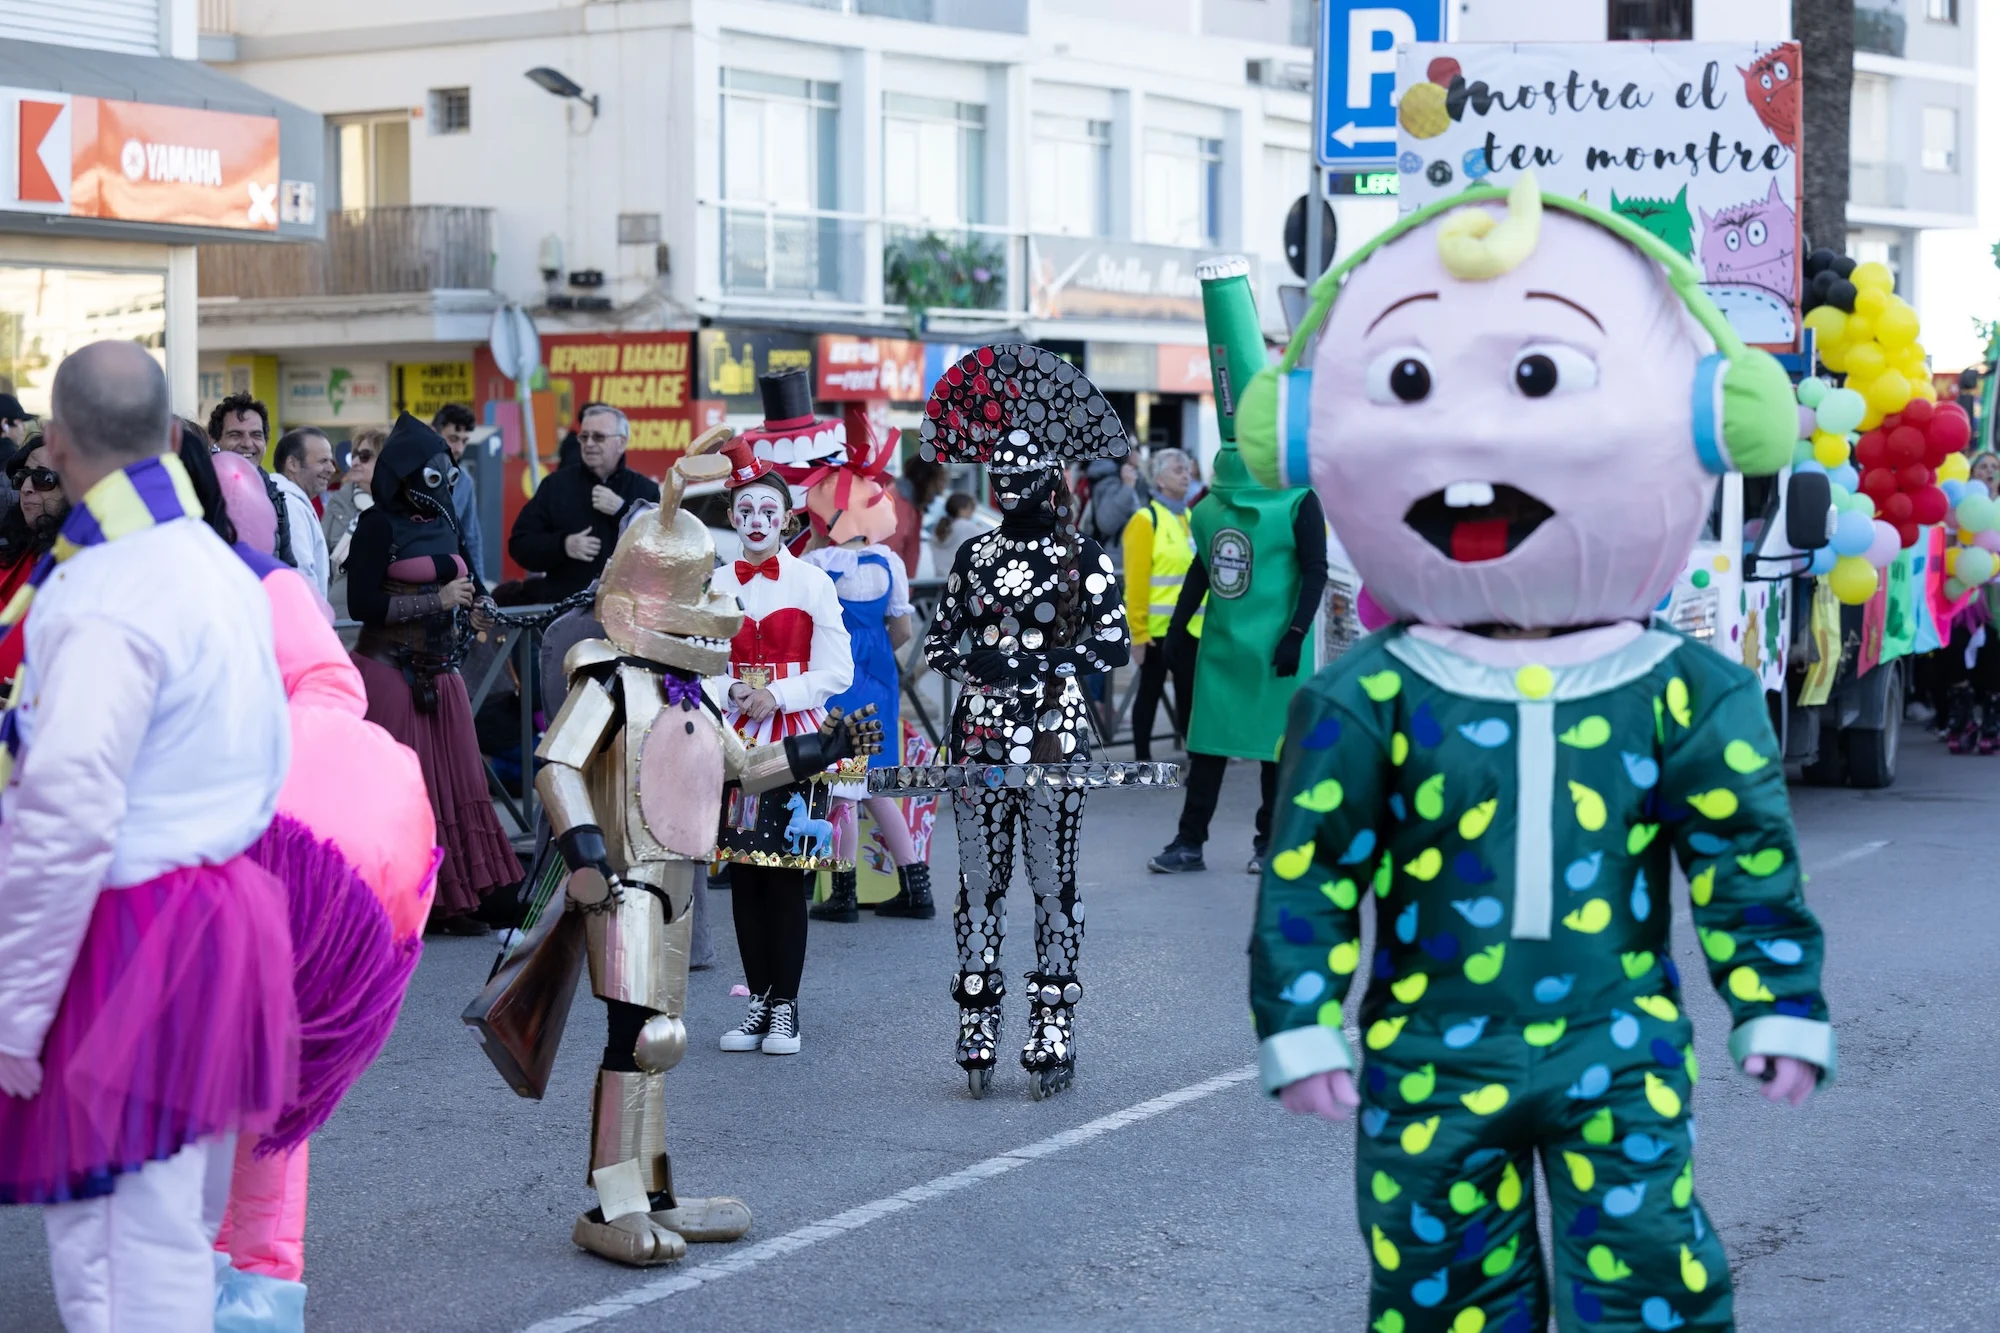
(804, 828)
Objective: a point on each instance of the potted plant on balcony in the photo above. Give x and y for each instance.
(932, 270)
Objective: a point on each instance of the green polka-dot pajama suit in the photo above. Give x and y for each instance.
(1513, 825)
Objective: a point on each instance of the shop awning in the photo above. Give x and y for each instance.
(139, 97)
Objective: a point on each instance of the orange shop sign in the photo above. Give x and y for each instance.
(858, 368)
(1184, 369)
(93, 157)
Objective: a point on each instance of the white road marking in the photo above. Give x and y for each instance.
(684, 1278)
(1851, 855)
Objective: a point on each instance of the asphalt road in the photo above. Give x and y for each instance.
(1183, 1199)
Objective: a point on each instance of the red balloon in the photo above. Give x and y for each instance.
(1950, 430)
(1898, 509)
(1869, 451)
(1904, 446)
(1914, 478)
(1909, 532)
(1919, 412)
(1890, 422)
(1929, 505)
(1878, 484)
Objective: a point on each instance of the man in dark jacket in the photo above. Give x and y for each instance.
(568, 529)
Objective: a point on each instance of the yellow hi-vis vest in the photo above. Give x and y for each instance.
(1173, 555)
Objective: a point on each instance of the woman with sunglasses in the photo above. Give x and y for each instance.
(26, 534)
(408, 578)
(344, 506)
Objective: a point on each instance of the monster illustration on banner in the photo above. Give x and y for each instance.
(1697, 143)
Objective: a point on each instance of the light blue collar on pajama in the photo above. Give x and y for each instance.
(1534, 691)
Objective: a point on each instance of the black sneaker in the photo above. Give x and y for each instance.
(783, 1036)
(1177, 859)
(749, 1034)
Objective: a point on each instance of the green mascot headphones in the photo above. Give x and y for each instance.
(1745, 411)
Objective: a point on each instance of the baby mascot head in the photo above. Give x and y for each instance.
(1515, 412)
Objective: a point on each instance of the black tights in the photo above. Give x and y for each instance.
(770, 909)
(1204, 786)
(1153, 674)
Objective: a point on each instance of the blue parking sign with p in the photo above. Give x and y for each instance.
(1357, 75)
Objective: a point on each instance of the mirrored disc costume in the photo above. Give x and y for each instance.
(1027, 608)
(634, 768)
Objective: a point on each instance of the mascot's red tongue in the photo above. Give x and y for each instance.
(1485, 539)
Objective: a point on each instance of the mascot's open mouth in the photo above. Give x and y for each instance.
(1471, 521)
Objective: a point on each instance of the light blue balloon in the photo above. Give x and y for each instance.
(1810, 464)
(1305, 988)
(1461, 1035)
(1481, 912)
(1784, 953)
(1581, 873)
(1406, 924)
(1591, 1083)
(1551, 989)
(1624, 1030)
(1644, 1148)
(1642, 769)
(1954, 491)
(1659, 1316)
(1822, 561)
(1845, 475)
(1624, 1200)
(1853, 535)
(1488, 733)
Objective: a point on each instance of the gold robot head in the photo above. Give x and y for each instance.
(654, 599)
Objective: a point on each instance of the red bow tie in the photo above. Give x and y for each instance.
(745, 571)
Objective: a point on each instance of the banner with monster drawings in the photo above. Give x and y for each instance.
(1697, 142)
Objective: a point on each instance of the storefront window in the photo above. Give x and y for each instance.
(47, 313)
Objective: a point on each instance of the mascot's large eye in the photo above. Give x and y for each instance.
(1754, 233)
(1550, 368)
(1400, 375)
(1733, 239)
(1765, 80)
(1782, 70)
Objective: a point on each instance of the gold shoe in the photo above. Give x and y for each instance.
(636, 1239)
(699, 1220)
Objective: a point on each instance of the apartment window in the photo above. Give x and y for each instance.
(1183, 188)
(1868, 119)
(933, 160)
(1650, 21)
(1071, 165)
(779, 140)
(372, 157)
(451, 110)
(1941, 139)
(1941, 11)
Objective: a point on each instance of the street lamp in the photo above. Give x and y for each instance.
(562, 85)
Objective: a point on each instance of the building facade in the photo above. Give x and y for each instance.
(119, 154)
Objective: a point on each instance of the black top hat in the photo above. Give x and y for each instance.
(788, 398)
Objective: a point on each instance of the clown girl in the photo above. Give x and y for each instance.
(1027, 607)
(790, 658)
(1515, 424)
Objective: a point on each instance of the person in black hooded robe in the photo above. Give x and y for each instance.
(412, 586)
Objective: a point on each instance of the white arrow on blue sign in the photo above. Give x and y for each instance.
(1357, 75)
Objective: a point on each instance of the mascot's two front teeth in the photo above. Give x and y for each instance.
(1468, 494)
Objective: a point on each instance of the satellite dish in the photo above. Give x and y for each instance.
(1295, 236)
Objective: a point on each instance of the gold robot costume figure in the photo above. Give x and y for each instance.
(633, 775)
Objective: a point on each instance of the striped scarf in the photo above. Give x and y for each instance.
(152, 491)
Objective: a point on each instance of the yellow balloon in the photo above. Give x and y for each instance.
(1950, 552)
(1860, 329)
(1873, 275)
(1830, 323)
(1896, 326)
(1829, 450)
(1869, 301)
(1833, 356)
(1956, 467)
(1864, 362)
(1853, 580)
(1890, 392)
(1871, 418)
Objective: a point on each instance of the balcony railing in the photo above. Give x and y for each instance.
(1879, 28)
(366, 252)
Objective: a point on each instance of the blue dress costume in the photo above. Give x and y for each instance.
(876, 678)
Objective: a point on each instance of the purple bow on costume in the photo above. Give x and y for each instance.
(682, 690)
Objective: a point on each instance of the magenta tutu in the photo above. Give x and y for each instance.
(349, 972)
(179, 1024)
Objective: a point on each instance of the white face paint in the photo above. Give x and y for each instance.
(758, 516)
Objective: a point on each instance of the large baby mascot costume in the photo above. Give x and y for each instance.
(1515, 419)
